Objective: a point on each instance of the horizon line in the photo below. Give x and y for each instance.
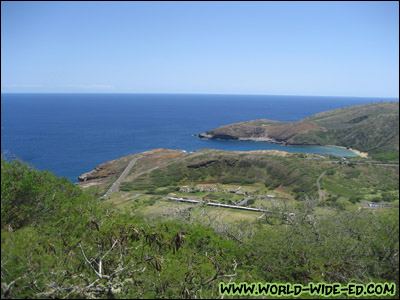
(227, 94)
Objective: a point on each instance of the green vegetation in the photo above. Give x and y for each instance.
(293, 172)
(58, 241)
(232, 169)
(372, 128)
(31, 197)
(362, 181)
(387, 157)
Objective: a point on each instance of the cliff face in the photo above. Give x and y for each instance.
(101, 171)
(113, 168)
(370, 127)
(107, 169)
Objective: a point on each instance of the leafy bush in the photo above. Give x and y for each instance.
(355, 198)
(30, 196)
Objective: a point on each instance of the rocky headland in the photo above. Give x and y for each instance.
(372, 128)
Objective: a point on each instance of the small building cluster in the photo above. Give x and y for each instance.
(379, 205)
(237, 192)
(187, 189)
(212, 188)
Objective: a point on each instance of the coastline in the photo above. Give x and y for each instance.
(359, 153)
(271, 140)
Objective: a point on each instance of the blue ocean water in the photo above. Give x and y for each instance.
(70, 134)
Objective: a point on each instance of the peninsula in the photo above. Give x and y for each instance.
(372, 128)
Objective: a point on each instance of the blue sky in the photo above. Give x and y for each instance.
(274, 48)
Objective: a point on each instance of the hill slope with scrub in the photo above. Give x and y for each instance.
(160, 172)
(58, 241)
(372, 128)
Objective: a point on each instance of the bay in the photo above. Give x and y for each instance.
(70, 134)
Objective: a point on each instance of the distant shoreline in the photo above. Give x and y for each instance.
(359, 153)
(136, 124)
(271, 140)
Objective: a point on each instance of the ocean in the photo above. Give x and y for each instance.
(71, 134)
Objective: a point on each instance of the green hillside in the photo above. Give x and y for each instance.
(372, 128)
(297, 174)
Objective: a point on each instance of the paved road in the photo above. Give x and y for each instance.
(116, 184)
